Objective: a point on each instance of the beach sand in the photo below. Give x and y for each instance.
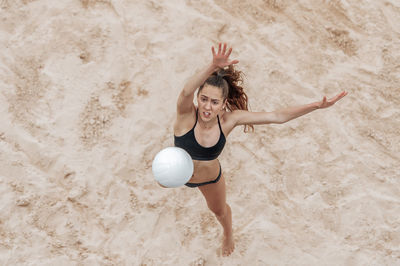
(88, 97)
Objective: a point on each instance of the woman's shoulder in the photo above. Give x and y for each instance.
(235, 117)
(228, 121)
(229, 116)
(184, 122)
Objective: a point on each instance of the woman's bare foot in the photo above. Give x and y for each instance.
(227, 245)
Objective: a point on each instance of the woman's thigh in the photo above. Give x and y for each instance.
(215, 195)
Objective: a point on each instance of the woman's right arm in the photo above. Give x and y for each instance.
(220, 60)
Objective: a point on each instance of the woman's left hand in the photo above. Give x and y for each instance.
(328, 103)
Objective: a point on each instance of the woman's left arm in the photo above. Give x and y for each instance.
(290, 113)
(281, 116)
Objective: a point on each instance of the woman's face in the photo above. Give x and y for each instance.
(210, 102)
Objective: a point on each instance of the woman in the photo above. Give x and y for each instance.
(202, 130)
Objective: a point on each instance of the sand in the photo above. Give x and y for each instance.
(88, 95)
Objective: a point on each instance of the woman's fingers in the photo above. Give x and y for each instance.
(229, 52)
(334, 99)
(342, 94)
(339, 96)
(326, 103)
(221, 58)
(224, 49)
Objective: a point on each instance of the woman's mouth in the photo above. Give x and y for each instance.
(206, 114)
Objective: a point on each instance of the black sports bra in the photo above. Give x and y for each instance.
(189, 143)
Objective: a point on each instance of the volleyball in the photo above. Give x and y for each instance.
(172, 167)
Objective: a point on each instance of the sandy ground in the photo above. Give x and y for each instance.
(87, 98)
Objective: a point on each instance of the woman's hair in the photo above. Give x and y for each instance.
(228, 80)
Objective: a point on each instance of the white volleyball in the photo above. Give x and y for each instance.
(172, 167)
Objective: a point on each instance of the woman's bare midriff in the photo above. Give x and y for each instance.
(205, 171)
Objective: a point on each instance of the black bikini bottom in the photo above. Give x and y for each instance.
(205, 183)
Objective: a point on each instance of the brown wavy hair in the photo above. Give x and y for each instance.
(230, 81)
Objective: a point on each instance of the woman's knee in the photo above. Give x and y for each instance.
(219, 211)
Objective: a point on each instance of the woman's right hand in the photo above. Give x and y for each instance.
(221, 59)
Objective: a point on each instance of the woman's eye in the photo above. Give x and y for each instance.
(215, 102)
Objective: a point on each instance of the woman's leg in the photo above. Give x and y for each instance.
(215, 195)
